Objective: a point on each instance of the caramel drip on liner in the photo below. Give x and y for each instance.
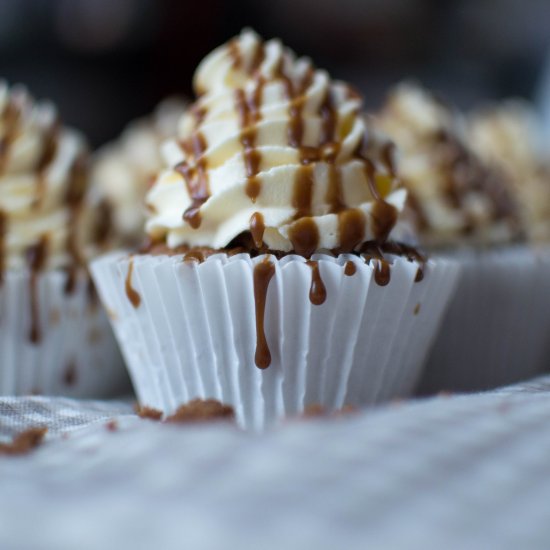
(131, 292)
(257, 229)
(3, 235)
(73, 199)
(317, 291)
(263, 273)
(196, 179)
(36, 259)
(350, 268)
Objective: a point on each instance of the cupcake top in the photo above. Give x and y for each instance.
(43, 168)
(274, 149)
(122, 170)
(507, 137)
(454, 196)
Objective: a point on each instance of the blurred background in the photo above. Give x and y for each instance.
(105, 62)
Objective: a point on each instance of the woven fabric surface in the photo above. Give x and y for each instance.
(467, 471)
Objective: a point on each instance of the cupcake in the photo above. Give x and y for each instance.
(472, 210)
(54, 336)
(122, 170)
(508, 138)
(271, 281)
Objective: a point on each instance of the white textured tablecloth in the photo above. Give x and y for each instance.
(448, 472)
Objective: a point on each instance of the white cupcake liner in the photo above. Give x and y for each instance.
(76, 354)
(194, 333)
(497, 329)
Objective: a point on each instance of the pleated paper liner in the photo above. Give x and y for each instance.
(189, 330)
(57, 342)
(497, 328)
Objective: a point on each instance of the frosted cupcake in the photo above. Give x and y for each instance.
(122, 170)
(54, 336)
(508, 138)
(270, 282)
(495, 330)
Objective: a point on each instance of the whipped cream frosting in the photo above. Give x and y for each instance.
(454, 196)
(43, 184)
(275, 147)
(122, 170)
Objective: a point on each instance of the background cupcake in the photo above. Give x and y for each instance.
(54, 336)
(495, 331)
(270, 283)
(508, 137)
(122, 170)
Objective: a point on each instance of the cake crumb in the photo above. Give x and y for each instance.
(315, 410)
(201, 410)
(148, 412)
(112, 426)
(24, 442)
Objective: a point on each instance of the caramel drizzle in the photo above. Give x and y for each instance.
(131, 292)
(36, 260)
(76, 190)
(49, 150)
(3, 235)
(249, 113)
(103, 225)
(317, 290)
(11, 116)
(382, 274)
(263, 273)
(196, 178)
(257, 229)
(235, 54)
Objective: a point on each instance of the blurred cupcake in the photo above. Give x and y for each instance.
(122, 170)
(270, 283)
(495, 331)
(54, 336)
(508, 138)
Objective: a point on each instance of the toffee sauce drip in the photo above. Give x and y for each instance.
(317, 291)
(196, 178)
(3, 235)
(51, 136)
(37, 255)
(263, 273)
(350, 268)
(248, 110)
(257, 229)
(73, 199)
(10, 117)
(382, 271)
(131, 292)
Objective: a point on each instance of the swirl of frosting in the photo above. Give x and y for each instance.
(43, 184)
(453, 194)
(122, 170)
(274, 147)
